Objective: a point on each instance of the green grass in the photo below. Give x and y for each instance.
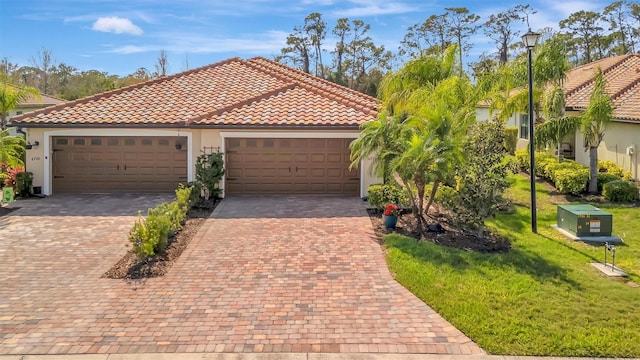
(541, 298)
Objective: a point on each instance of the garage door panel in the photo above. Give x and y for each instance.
(289, 166)
(107, 164)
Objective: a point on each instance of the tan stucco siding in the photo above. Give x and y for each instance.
(618, 137)
(36, 156)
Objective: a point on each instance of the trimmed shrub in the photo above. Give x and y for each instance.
(522, 160)
(383, 194)
(607, 166)
(605, 177)
(571, 181)
(620, 191)
(510, 139)
(151, 234)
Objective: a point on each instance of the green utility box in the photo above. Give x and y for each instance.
(584, 220)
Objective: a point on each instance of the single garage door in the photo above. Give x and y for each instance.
(290, 166)
(118, 164)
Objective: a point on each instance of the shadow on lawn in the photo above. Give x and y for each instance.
(518, 260)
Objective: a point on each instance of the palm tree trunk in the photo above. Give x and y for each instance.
(593, 170)
(434, 189)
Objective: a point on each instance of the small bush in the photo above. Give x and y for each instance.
(151, 234)
(620, 191)
(605, 177)
(607, 166)
(571, 181)
(510, 139)
(522, 160)
(383, 194)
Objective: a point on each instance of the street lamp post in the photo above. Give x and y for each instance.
(530, 39)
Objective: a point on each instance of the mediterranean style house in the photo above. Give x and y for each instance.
(621, 143)
(282, 131)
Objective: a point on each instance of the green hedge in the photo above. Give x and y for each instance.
(510, 139)
(620, 191)
(151, 234)
(384, 194)
(569, 177)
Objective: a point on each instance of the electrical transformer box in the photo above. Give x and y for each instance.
(584, 220)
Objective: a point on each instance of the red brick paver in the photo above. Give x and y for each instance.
(272, 274)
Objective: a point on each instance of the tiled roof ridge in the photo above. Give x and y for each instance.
(242, 103)
(596, 64)
(284, 70)
(105, 94)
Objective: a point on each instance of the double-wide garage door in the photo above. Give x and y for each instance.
(118, 164)
(289, 166)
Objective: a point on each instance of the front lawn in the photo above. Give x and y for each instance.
(542, 297)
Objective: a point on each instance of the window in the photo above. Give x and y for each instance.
(524, 126)
(113, 142)
(78, 141)
(96, 142)
(147, 142)
(163, 142)
(129, 142)
(18, 112)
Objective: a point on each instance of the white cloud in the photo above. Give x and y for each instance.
(371, 8)
(116, 25)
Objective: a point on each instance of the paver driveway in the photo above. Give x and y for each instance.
(267, 274)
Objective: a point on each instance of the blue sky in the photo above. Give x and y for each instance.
(121, 36)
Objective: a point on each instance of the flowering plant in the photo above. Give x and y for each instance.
(391, 210)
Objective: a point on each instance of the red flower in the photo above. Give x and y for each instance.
(391, 210)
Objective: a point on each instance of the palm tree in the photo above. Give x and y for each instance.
(557, 126)
(379, 137)
(11, 96)
(595, 121)
(11, 150)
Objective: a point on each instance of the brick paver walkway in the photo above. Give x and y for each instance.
(272, 274)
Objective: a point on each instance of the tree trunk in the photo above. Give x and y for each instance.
(434, 189)
(559, 151)
(593, 169)
(3, 122)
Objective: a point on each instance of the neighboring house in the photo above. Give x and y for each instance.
(622, 139)
(282, 132)
(621, 142)
(32, 103)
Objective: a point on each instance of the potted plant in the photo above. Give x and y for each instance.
(390, 215)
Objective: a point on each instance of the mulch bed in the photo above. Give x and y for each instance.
(451, 237)
(132, 267)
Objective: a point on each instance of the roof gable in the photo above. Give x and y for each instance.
(252, 92)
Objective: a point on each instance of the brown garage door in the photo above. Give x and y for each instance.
(290, 166)
(118, 164)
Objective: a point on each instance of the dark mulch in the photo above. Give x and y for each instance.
(451, 237)
(132, 267)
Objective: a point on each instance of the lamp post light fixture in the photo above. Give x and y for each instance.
(530, 39)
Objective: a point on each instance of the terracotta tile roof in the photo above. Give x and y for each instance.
(622, 76)
(44, 100)
(257, 92)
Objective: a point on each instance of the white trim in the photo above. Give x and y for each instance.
(290, 135)
(48, 178)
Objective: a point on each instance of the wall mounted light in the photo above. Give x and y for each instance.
(30, 146)
(178, 146)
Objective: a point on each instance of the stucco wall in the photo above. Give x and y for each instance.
(617, 138)
(36, 156)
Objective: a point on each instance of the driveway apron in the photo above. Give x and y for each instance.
(263, 274)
